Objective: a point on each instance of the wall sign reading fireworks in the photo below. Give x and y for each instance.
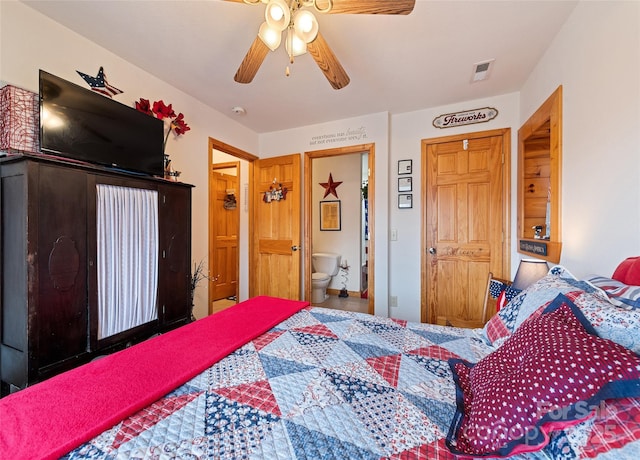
(468, 117)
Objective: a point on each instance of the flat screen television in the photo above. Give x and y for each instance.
(80, 124)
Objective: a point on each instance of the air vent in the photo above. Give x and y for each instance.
(481, 70)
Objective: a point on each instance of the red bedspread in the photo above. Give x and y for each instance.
(51, 418)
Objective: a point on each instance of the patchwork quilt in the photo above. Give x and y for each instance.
(328, 384)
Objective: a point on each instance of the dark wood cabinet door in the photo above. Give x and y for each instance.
(175, 254)
(15, 298)
(62, 313)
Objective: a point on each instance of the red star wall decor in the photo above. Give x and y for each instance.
(330, 187)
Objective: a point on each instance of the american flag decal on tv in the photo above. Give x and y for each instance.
(99, 83)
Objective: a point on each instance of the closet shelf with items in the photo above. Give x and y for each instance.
(540, 181)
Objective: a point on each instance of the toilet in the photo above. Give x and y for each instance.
(325, 266)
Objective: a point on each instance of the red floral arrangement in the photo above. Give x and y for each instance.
(164, 112)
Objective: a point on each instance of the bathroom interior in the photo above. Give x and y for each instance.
(339, 243)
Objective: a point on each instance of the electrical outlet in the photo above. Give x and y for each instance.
(393, 301)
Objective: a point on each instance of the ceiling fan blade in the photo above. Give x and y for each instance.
(252, 61)
(328, 62)
(369, 6)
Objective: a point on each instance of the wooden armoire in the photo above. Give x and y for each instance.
(48, 249)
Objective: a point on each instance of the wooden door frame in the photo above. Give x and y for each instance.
(505, 133)
(215, 144)
(308, 213)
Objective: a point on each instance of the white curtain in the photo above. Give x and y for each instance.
(127, 220)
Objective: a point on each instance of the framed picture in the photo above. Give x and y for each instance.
(405, 200)
(404, 184)
(330, 218)
(404, 167)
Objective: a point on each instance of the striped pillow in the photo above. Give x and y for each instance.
(619, 294)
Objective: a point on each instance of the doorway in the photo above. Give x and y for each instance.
(361, 267)
(465, 223)
(225, 226)
(231, 260)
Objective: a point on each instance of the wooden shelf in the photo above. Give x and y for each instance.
(540, 249)
(540, 181)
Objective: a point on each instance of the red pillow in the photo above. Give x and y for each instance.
(552, 373)
(628, 272)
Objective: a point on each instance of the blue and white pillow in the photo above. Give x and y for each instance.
(523, 305)
(620, 325)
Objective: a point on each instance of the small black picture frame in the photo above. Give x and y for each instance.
(404, 166)
(405, 200)
(405, 184)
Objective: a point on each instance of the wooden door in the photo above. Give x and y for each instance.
(225, 225)
(275, 254)
(466, 225)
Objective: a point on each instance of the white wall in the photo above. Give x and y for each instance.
(596, 57)
(30, 41)
(407, 131)
(372, 128)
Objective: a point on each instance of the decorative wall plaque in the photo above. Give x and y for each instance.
(468, 117)
(533, 247)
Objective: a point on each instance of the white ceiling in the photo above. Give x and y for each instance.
(396, 63)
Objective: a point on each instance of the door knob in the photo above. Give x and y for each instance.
(295, 248)
(432, 251)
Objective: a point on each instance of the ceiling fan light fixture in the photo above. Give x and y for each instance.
(270, 36)
(277, 14)
(321, 9)
(305, 25)
(303, 33)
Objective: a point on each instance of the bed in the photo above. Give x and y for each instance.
(279, 379)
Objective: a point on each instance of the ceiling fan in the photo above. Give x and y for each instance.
(302, 34)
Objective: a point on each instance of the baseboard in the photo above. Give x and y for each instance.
(337, 292)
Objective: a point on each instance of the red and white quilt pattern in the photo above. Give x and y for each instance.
(328, 384)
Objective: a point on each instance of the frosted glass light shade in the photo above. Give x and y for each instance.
(277, 14)
(270, 36)
(305, 25)
(294, 45)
